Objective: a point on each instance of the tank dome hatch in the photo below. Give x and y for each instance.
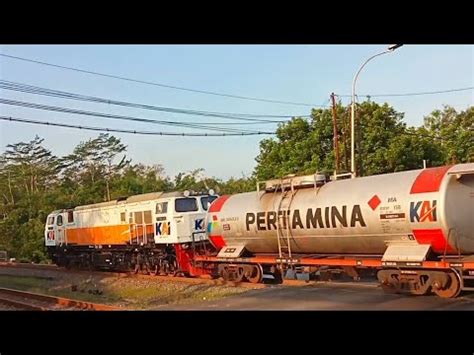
(296, 182)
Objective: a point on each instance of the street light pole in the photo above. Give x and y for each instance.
(389, 50)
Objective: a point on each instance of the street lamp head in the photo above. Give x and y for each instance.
(392, 47)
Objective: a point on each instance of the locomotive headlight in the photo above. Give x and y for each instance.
(186, 193)
(211, 192)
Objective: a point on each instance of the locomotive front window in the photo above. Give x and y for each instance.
(206, 201)
(185, 205)
(50, 221)
(59, 220)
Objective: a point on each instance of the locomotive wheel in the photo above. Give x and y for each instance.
(136, 269)
(145, 270)
(256, 274)
(452, 289)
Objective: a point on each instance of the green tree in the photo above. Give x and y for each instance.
(95, 163)
(455, 133)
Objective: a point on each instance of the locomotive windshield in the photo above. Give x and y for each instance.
(206, 201)
(185, 204)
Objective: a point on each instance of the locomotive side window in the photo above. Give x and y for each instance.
(185, 205)
(59, 220)
(147, 217)
(138, 217)
(70, 217)
(206, 201)
(122, 217)
(161, 207)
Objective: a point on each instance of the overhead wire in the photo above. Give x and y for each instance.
(32, 105)
(101, 129)
(26, 88)
(158, 84)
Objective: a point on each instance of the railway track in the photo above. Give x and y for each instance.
(23, 300)
(188, 280)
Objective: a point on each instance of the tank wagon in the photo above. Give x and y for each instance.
(415, 229)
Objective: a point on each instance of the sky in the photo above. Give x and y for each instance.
(297, 73)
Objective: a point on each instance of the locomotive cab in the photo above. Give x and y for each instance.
(180, 219)
(54, 233)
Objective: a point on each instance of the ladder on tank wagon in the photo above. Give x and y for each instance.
(283, 221)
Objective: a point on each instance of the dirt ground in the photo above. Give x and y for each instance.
(124, 290)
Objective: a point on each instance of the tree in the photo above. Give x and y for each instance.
(28, 173)
(383, 142)
(30, 164)
(96, 161)
(408, 150)
(455, 133)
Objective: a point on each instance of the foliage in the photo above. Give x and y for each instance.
(383, 142)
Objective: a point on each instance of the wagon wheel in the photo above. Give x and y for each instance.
(256, 274)
(390, 288)
(452, 289)
(225, 274)
(238, 275)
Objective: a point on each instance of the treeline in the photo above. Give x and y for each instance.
(34, 182)
(384, 143)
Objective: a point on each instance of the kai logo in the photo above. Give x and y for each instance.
(51, 235)
(163, 228)
(198, 224)
(212, 224)
(423, 211)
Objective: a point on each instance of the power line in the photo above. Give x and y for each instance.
(89, 128)
(116, 117)
(414, 93)
(9, 85)
(24, 88)
(159, 84)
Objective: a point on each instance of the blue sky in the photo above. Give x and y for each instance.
(296, 73)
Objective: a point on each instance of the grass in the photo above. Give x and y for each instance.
(130, 293)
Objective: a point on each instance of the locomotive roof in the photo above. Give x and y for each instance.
(132, 199)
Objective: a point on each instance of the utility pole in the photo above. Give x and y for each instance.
(335, 133)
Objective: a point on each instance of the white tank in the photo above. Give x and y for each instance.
(362, 215)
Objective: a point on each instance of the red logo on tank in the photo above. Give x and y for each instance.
(374, 202)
